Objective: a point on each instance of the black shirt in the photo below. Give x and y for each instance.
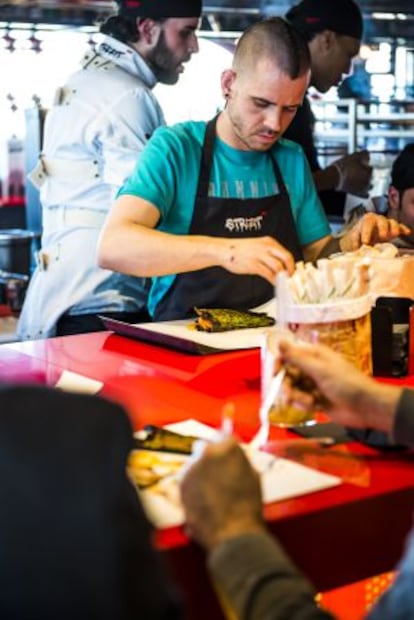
(301, 130)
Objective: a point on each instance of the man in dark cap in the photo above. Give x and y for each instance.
(164, 58)
(333, 31)
(94, 134)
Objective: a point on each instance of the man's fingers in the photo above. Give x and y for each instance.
(374, 230)
(276, 258)
(305, 356)
(262, 257)
(285, 258)
(296, 354)
(405, 230)
(271, 269)
(355, 238)
(375, 227)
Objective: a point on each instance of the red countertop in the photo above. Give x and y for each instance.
(335, 536)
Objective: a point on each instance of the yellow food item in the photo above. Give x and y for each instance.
(284, 412)
(287, 415)
(147, 468)
(153, 437)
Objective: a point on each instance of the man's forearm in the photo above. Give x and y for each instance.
(145, 252)
(256, 580)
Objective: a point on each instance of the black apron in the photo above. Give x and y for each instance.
(233, 218)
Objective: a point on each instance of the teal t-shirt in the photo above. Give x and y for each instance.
(167, 176)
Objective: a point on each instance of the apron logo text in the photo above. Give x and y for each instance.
(243, 224)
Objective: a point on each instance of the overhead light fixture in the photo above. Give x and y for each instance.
(230, 10)
(390, 16)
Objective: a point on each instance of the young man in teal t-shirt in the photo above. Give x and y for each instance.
(214, 211)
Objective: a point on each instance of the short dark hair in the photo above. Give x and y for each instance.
(124, 28)
(274, 38)
(402, 171)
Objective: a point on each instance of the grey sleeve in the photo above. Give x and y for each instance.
(258, 581)
(398, 601)
(403, 432)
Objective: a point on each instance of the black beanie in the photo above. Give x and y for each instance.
(159, 8)
(402, 171)
(341, 16)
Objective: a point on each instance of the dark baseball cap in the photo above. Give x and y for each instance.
(159, 8)
(341, 16)
(402, 171)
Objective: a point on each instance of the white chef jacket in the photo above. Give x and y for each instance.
(94, 133)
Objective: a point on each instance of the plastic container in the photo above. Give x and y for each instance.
(274, 402)
(344, 325)
(15, 250)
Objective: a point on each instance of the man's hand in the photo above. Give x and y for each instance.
(221, 495)
(354, 174)
(261, 256)
(353, 399)
(132, 222)
(370, 229)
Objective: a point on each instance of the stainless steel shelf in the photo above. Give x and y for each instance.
(362, 122)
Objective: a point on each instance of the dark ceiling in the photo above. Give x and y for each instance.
(219, 15)
(231, 15)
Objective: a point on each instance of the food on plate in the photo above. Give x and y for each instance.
(225, 319)
(146, 468)
(157, 438)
